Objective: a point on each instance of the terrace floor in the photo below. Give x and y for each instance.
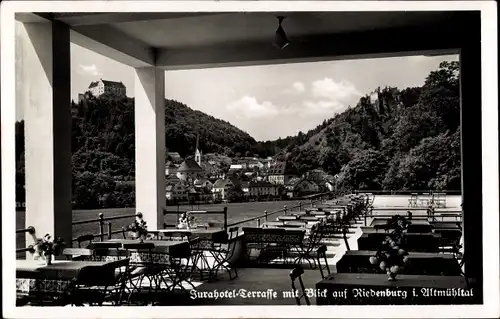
(251, 280)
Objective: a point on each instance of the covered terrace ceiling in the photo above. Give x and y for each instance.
(211, 39)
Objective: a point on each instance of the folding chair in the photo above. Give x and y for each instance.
(321, 253)
(141, 258)
(223, 255)
(309, 246)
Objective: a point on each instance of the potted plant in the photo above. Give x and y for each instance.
(47, 248)
(139, 228)
(187, 221)
(392, 256)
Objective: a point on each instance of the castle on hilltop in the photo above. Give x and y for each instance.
(110, 87)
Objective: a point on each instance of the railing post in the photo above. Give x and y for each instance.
(258, 223)
(265, 212)
(300, 206)
(101, 226)
(285, 208)
(225, 218)
(312, 203)
(109, 230)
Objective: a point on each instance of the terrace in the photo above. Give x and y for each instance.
(324, 242)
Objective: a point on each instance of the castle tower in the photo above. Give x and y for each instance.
(197, 154)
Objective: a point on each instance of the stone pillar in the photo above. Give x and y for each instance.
(150, 144)
(45, 60)
(471, 149)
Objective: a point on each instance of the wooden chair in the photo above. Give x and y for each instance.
(295, 274)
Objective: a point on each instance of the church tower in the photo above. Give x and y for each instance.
(197, 154)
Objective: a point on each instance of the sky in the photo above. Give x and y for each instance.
(265, 101)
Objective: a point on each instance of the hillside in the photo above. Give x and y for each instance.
(405, 139)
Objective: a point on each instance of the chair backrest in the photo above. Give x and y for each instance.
(295, 274)
(233, 232)
(83, 238)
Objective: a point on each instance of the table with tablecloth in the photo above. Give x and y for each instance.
(62, 276)
(419, 263)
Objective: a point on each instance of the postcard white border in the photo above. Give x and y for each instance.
(489, 145)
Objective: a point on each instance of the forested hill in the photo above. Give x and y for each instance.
(103, 145)
(403, 139)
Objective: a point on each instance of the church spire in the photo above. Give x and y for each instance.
(197, 154)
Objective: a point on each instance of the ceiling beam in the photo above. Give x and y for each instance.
(371, 44)
(114, 45)
(99, 18)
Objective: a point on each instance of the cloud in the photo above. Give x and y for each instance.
(322, 107)
(89, 69)
(328, 88)
(249, 108)
(299, 87)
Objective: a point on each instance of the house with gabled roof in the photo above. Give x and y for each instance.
(280, 173)
(301, 186)
(189, 170)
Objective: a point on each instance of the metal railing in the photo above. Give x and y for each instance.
(30, 230)
(101, 221)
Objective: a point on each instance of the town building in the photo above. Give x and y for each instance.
(189, 171)
(258, 189)
(301, 186)
(109, 87)
(170, 169)
(176, 192)
(221, 188)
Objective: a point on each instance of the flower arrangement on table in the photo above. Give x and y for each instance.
(392, 256)
(46, 248)
(139, 228)
(187, 221)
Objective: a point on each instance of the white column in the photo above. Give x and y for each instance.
(150, 144)
(45, 56)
